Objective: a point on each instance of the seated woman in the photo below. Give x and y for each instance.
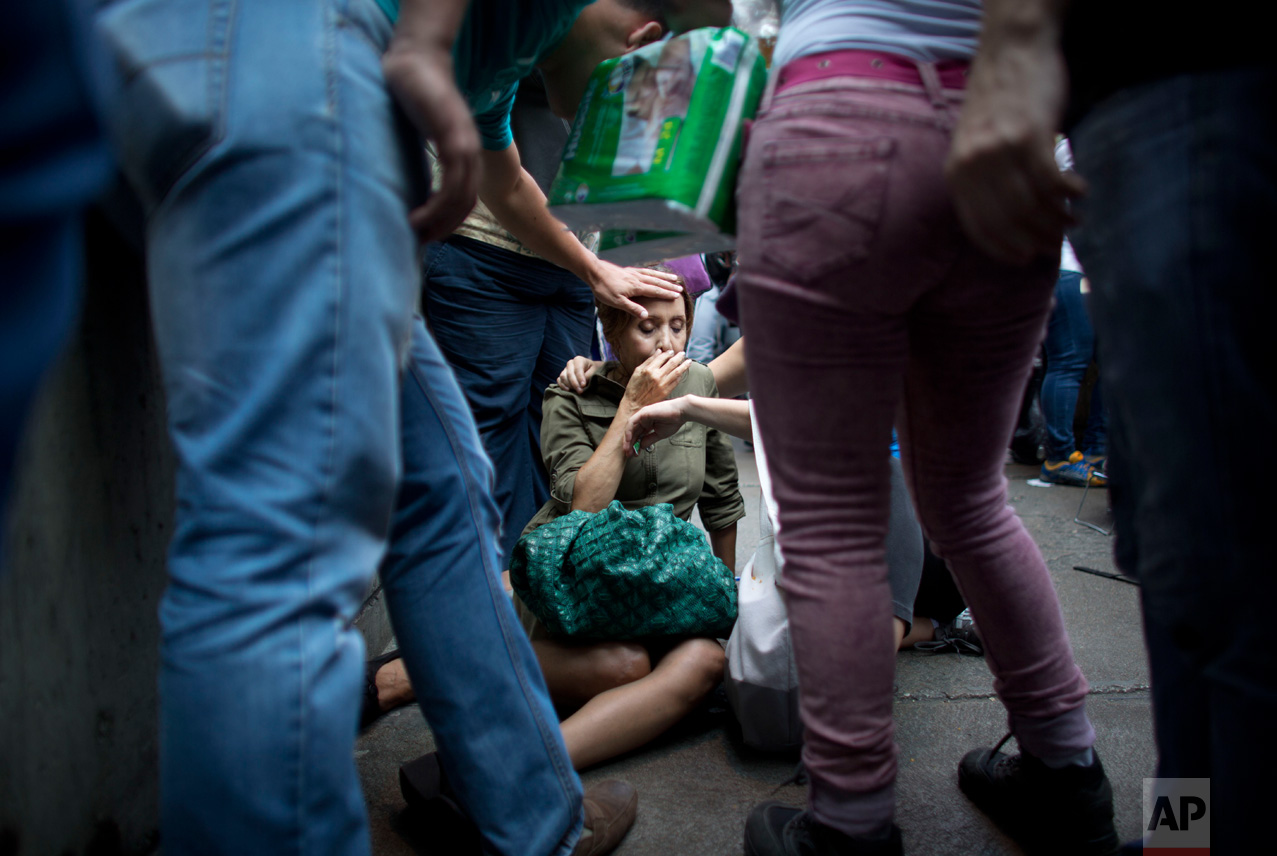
(920, 583)
(623, 694)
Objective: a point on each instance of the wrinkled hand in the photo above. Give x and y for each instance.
(654, 422)
(421, 79)
(576, 373)
(618, 286)
(655, 378)
(1011, 198)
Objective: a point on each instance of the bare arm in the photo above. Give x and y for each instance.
(723, 544)
(729, 371)
(517, 202)
(418, 70)
(1009, 195)
(658, 421)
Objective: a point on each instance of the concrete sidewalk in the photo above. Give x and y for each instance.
(696, 786)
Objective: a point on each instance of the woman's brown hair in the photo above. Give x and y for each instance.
(613, 320)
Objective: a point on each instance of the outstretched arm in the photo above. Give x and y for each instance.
(663, 419)
(514, 198)
(729, 370)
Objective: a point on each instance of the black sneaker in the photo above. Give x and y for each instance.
(780, 830)
(1048, 811)
(958, 636)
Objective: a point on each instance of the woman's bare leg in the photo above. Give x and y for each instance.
(575, 674)
(628, 716)
(625, 703)
(394, 689)
(923, 631)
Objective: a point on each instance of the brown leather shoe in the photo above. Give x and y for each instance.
(609, 813)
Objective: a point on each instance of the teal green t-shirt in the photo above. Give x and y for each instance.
(499, 44)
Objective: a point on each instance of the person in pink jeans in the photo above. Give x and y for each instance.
(866, 306)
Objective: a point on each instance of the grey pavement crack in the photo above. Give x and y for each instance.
(1105, 690)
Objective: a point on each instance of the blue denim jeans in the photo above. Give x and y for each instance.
(278, 175)
(1176, 238)
(1070, 348)
(472, 667)
(507, 324)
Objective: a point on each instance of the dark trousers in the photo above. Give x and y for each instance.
(507, 324)
(1176, 237)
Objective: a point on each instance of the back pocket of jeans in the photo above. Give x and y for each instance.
(171, 59)
(823, 203)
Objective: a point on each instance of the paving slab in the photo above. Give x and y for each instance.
(697, 784)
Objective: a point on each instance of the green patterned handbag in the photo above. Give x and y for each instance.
(621, 574)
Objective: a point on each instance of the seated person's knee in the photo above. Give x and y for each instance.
(706, 661)
(615, 664)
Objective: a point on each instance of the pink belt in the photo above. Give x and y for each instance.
(884, 66)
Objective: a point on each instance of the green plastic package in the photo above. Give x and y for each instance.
(654, 151)
(628, 247)
(623, 574)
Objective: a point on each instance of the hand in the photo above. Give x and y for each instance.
(656, 378)
(421, 79)
(618, 286)
(576, 373)
(655, 422)
(1010, 197)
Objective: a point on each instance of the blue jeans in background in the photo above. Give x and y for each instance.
(507, 324)
(278, 175)
(1176, 237)
(1070, 348)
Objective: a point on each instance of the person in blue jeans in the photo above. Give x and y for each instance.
(1173, 129)
(284, 187)
(509, 296)
(507, 319)
(1070, 349)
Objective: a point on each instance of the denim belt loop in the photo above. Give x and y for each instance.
(931, 83)
(770, 91)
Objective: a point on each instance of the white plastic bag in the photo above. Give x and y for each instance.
(761, 679)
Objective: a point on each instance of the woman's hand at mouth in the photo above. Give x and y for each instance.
(655, 378)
